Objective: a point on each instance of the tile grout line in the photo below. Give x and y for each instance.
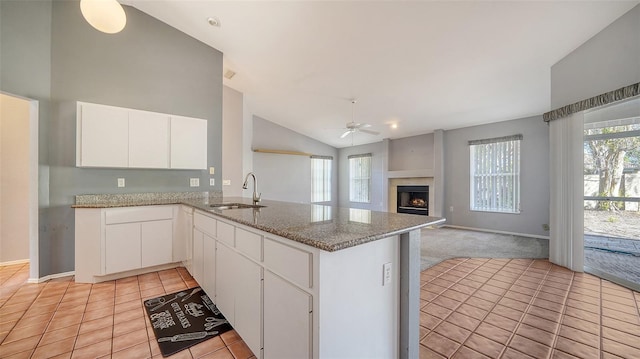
(496, 303)
(475, 291)
(556, 334)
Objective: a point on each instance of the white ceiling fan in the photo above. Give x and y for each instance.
(353, 127)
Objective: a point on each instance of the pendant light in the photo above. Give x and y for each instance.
(107, 16)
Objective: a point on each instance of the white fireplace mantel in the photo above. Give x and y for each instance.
(426, 172)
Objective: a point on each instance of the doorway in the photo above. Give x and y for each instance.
(19, 181)
(612, 193)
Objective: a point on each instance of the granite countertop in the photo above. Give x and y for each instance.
(325, 227)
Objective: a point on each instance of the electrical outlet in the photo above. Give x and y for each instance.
(194, 182)
(226, 182)
(212, 181)
(451, 209)
(386, 274)
(120, 182)
(212, 170)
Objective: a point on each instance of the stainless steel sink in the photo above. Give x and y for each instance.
(221, 206)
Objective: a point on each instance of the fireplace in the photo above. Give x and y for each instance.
(413, 200)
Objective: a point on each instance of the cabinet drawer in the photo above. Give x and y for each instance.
(226, 234)
(292, 263)
(205, 224)
(249, 243)
(138, 214)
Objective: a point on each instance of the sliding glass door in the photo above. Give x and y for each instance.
(612, 193)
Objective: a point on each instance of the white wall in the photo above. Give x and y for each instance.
(14, 178)
(232, 141)
(606, 62)
(287, 177)
(534, 174)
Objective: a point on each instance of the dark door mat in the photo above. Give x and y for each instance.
(183, 319)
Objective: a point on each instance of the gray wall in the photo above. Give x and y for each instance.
(287, 177)
(534, 174)
(378, 176)
(411, 153)
(607, 61)
(148, 66)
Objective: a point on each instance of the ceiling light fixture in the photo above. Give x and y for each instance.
(107, 16)
(394, 125)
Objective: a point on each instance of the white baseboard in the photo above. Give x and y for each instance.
(49, 277)
(499, 232)
(9, 263)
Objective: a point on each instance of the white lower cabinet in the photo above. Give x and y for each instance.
(123, 248)
(226, 281)
(209, 265)
(248, 302)
(287, 320)
(197, 262)
(157, 242)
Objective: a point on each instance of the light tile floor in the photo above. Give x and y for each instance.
(471, 308)
(64, 319)
(524, 308)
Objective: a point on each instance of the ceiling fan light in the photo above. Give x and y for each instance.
(107, 16)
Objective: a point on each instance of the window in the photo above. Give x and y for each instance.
(495, 174)
(321, 178)
(360, 178)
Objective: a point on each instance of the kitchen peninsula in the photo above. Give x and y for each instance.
(295, 280)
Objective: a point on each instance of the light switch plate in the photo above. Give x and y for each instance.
(194, 182)
(212, 170)
(226, 182)
(212, 181)
(386, 274)
(120, 182)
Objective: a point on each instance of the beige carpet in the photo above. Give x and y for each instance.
(443, 243)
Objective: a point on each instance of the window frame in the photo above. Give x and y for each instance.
(502, 158)
(325, 176)
(361, 177)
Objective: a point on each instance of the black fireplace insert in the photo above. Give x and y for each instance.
(413, 200)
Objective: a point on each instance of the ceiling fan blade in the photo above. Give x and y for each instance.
(375, 133)
(365, 125)
(346, 133)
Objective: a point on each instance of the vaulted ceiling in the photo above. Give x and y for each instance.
(422, 65)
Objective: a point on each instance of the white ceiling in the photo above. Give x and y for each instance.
(423, 65)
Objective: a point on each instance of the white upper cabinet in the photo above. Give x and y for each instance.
(188, 143)
(148, 140)
(109, 136)
(104, 135)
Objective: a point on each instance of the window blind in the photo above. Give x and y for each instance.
(321, 178)
(360, 178)
(495, 174)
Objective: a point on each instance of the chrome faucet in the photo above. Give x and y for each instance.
(256, 196)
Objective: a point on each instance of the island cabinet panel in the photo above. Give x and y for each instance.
(102, 136)
(292, 263)
(288, 318)
(248, 302)
(148, 139)
(226, 281)
(249, 244)
(209, 266)
(226, 234)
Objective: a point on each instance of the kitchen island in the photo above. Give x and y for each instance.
(295, 280)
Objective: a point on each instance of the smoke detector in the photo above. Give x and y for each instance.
(214, 21)
(229, 74)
